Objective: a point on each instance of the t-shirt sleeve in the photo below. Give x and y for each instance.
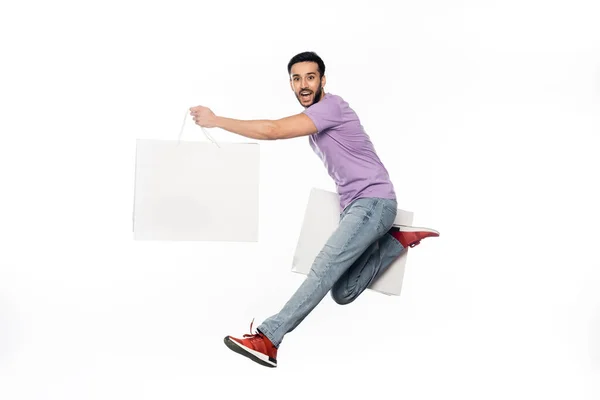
(325, 114)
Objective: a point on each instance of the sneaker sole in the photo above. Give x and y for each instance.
(405, 228)
(251, 354)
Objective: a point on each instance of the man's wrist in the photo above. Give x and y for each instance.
(217, 122)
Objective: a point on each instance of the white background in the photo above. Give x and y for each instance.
(486, 114)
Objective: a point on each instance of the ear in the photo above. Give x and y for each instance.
(291, 84)
(323, 81)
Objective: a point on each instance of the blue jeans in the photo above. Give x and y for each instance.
(356, 254)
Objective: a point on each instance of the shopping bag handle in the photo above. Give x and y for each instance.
(203, 130)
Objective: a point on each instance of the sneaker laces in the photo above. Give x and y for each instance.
(253, 336)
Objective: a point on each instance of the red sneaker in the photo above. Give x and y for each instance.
(410, 236)
(255, 346)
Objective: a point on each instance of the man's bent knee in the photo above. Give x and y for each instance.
(342, 297)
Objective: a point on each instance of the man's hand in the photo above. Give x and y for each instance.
(203, 116)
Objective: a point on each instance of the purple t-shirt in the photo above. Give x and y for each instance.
(347, 152)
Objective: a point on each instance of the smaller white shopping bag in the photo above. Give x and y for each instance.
(321, 218)
(196, 191)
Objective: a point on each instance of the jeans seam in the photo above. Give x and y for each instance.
(383, 216)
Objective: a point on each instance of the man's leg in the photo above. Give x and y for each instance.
(376, 260)
(367, 269)
(361, 224)
(364, 242)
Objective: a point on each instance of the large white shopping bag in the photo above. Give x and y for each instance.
(196, 191)
(321, 218)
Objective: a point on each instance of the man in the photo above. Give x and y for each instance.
(365, 243)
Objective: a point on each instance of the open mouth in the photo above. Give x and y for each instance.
(305, 95)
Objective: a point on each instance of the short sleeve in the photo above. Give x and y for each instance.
(325, 114)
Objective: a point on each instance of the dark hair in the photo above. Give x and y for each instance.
(307, 56)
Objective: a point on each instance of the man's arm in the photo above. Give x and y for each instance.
(284, 128)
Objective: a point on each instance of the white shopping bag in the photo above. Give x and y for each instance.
(321, 218)
(196, 191)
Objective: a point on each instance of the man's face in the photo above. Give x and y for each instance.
(307, 83)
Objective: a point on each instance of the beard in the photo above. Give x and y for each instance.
(316, 97)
